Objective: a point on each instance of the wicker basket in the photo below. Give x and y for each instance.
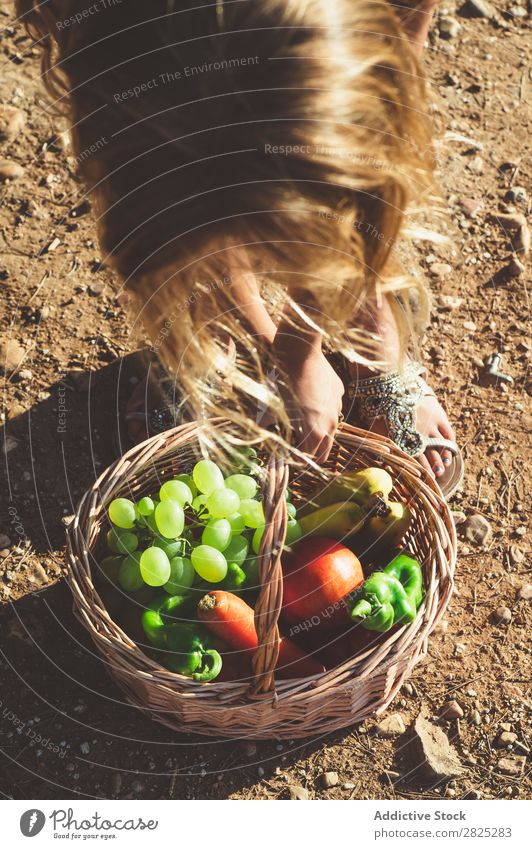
(262, 708)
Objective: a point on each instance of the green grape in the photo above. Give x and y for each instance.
(217, 534)
(288, 494)
(252, 512)
(176, 491)
(237, 550)
(112, 536)
(154, 628)
(154, 567)
(209, 563)
(238, 526)
(126, 542)
(291, 510)
(207, 476)
(171, 549)
(222, 503)
(293, 532)
(122, 513)
(169, 519)
(109, 568)
(244, 485)
(129, 576)
(189, 481)
(257, 537)
(199, 503)
(145, 506)
(181, 576)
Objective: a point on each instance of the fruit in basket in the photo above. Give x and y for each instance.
(145, 506)
(244, 485)
(217, 533)
(155, 567)
(389, 528)
(129, 576)
(181, 576)
(338, 520)
(361, 487)
(222, 503)
(318, 575)
(388, 598)
(230, 619)
(169, 519)
(209, 563)
(122, 542)
(122, 513)
(207, 476)
(176, 490)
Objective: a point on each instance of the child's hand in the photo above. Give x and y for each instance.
(316, 391)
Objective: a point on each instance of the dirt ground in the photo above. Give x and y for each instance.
(65, 731)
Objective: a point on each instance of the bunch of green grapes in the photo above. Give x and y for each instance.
(203, 527)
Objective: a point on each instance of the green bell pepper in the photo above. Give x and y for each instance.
(189, 655)
(235, 579)
(390, 597)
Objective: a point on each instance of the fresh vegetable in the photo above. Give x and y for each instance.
(230, 619)
(318, 575)
(189, 655)
(336, 520)
(390, 597)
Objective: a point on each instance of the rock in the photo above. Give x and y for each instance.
(9, 444)
(502, 616)
(451, 710)
(295, 791)
(10, 170)
(391, 726)
(329, 779)
(450, 302)
(408, 689)
(476, 529)
(12, 354)
(15, 410)
(25, 374)
(440, 270)
(448, 28)
(520, 531)
(476, 165)
(5, 542)
(442, 627)
(450, 792)
(96, 289)
(470, 206)
(12, 121)
(84, 748)
(512, 766)
(505, 726)
(38, 576)
(515, 268)
(470, 326)
(516, 194)
(474, 794)
(524, 593)
(507, 738)
(476, 9)
(475, 718)
(433, 752)
(516, 555)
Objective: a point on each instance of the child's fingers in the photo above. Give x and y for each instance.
(435, 461)
(426, 465)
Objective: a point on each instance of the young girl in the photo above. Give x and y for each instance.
(254, 165)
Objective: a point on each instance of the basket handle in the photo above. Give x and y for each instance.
(270, 600)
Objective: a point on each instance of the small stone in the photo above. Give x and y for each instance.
(10, 170)
(476, 9)
(5, 542)
(96, 289)
(12, 354)
(295, 791)
(476, 529)
(12, 121)
(502, 616)
(460, 648)
(474, 794)
(260, 772)
(451, 710)
(470, 325)
(470, 206)
(476, 165)
(440, 270)
(517, 555)
(512, 766)
(9, 444)
(15, 410)
(520, 531)
(475, 718)
(329, 779)
(505, 726)
(507, 738)
(525, 592)
(450, 302)
(408, 690)
(392, 774)
(84, 748)
(516, 194)
(448, 27)
(391, 726)
(433, 752)
(348, 785)
(515, 268)
(25, 374)
(442, 627)
(250, 748)
(450, 792)
(38, 576)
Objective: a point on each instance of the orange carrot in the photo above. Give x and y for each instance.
(229, 618)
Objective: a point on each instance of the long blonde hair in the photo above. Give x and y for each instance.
(296, 129)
